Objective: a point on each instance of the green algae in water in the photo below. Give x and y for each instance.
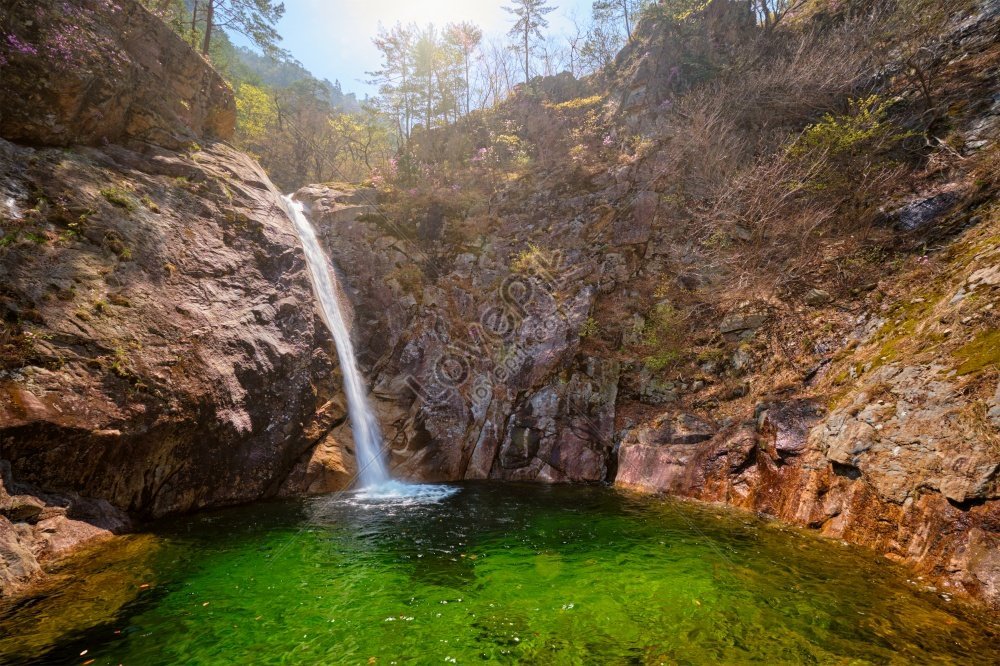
(508, 574)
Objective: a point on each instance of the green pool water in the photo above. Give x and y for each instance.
(491, 573)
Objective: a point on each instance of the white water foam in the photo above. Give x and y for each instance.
(402, 494)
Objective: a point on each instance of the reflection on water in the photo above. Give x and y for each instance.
(515, 574)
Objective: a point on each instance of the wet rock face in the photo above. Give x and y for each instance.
(475, 368)
(169, 354)
(95, 71)
(159, 347)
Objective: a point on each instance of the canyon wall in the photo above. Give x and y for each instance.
(160, 347)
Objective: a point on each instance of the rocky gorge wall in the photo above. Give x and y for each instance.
(160, 348)
(95, 71)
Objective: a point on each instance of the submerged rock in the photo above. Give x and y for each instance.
(38, 527)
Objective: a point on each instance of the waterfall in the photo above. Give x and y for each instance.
(367, 437)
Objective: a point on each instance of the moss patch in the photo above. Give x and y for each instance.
(120, 197)
(980, 354)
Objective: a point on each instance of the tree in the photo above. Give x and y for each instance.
(256, 115)
(770, 12)
(395, 78)
(425, 74)
(530, 21)
(600, 46)
(624, 11)
(426, 69)
(255, 19)
(466, 38)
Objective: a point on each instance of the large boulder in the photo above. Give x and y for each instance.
(167, 353)
(96, 71)
(160, 349)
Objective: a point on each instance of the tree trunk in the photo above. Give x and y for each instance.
(407, 102)
(427, 105)
(209, 18)
(526, 55)
(468, 86)
(194, 25)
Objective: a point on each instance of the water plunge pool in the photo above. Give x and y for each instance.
(494, 573)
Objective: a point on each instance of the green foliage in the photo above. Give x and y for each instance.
(121, 364)
(664, 334)
(302, 130)
(150, 204)
(662, 359)
(254, 19)
(848, 159)
(256, 112)
(411, 279)
(578, 104)
(531, 260)
(590, 328)
(864, 129)
(661, 324)
(425, 77)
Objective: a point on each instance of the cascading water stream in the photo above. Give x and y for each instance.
(372, 470)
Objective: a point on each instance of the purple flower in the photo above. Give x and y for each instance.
(21, 47)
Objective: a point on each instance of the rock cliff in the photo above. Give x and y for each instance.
(159, 350)
(98, 71)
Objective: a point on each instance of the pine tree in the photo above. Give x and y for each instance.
(464, 38)
(395, 79)
(255, 19)
(530, 21)
(624, 11)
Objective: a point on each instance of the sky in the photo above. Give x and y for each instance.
(332, 38)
